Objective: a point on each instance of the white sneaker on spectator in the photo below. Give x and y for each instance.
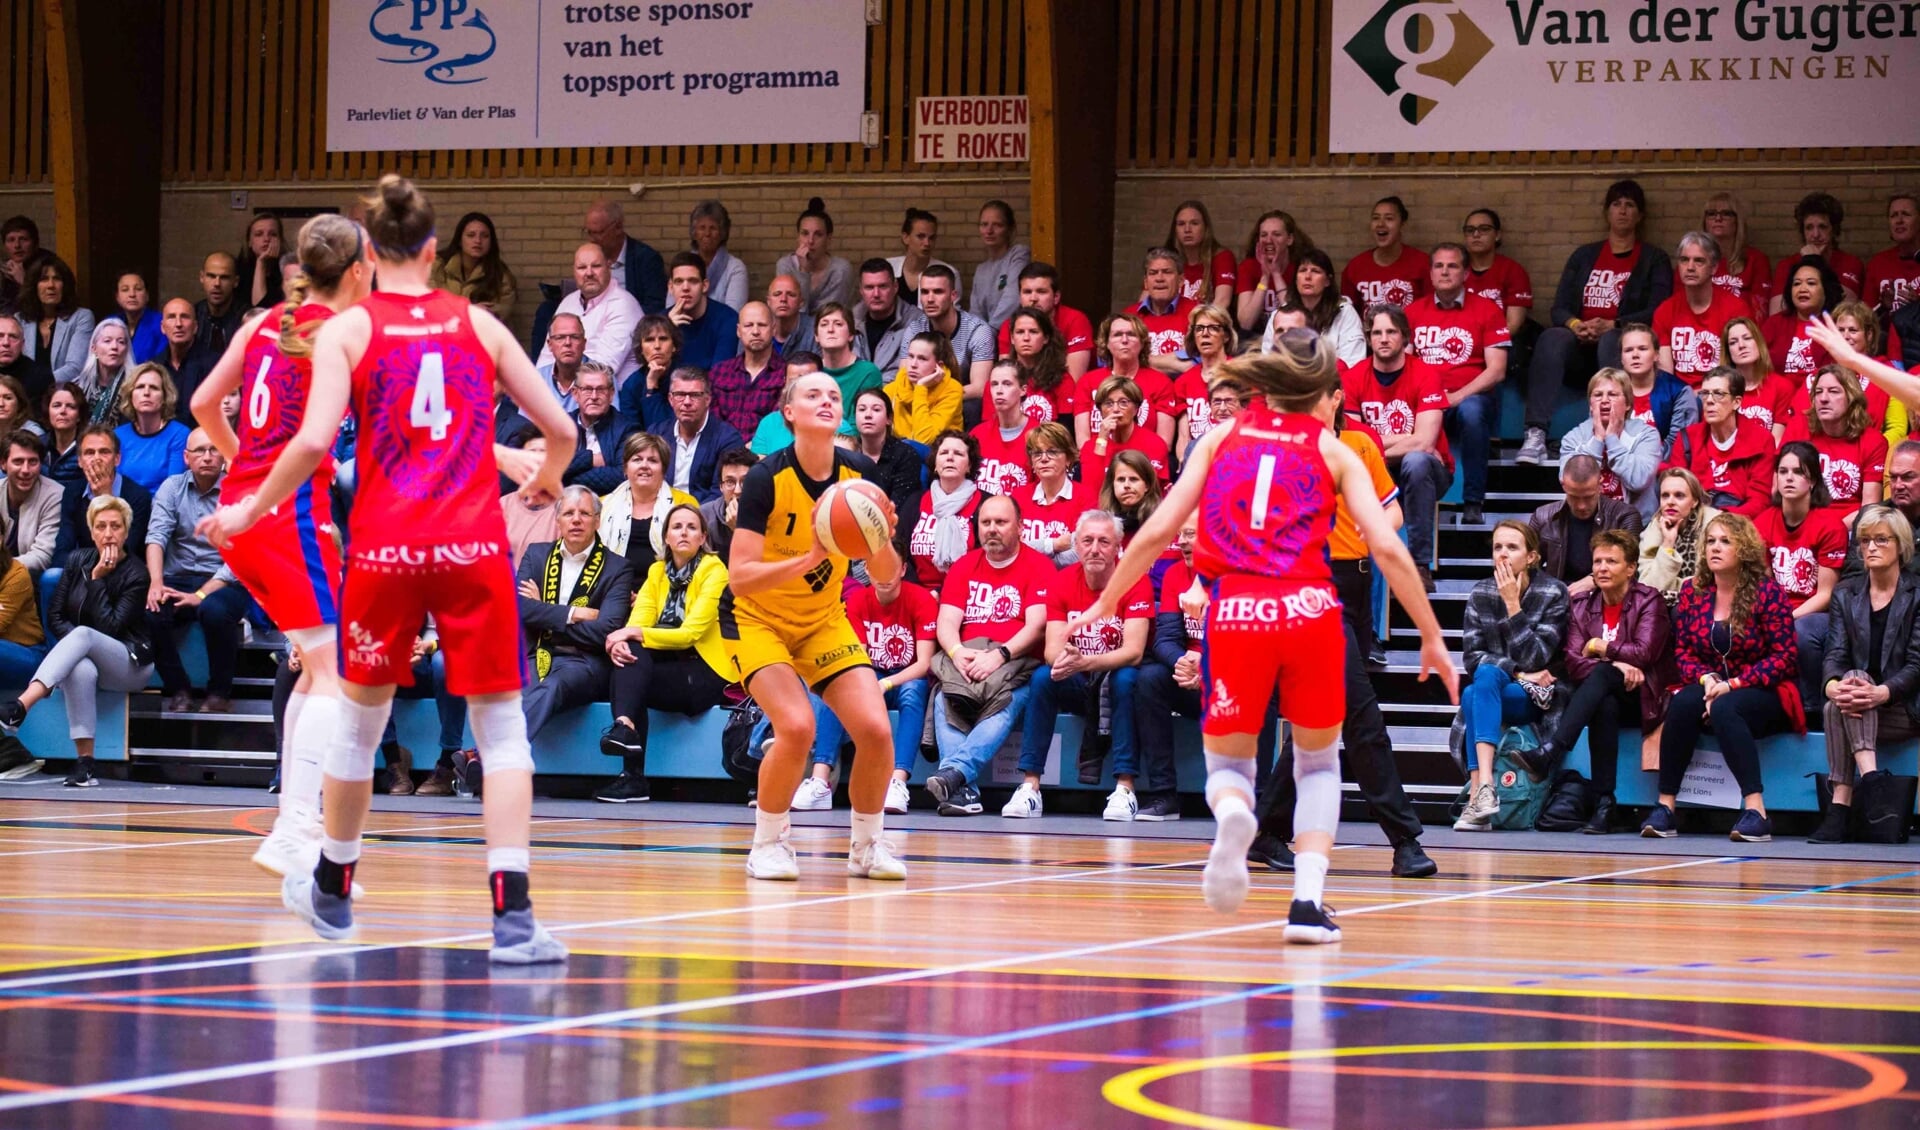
(875, 860)
(1481, 808)
(1533, 449)
(897, 798)
(1121, 805)
(813, 795)
(774, 861)
(1025, 804)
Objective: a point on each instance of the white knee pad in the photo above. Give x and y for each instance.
(1316, 778)
(1228, 774)
(350, 748)
(500, 730)
(312, 639)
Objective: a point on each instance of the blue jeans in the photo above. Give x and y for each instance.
(1470, 426)
(18, 662)
(971, 752)
(1078, 694)
(1491, 703)
(429, 681)
(908, 700)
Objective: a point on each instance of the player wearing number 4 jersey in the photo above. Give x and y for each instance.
(1265, 490)
(784, 619)
(290, 561)
(419, 367)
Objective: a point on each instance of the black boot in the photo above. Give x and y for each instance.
(1601, 822)
(1411, 862)
(1833, 826)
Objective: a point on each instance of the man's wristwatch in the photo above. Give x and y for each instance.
(1005, 655)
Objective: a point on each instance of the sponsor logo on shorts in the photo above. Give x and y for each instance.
(1268, 611)
(363, 650)
(416, 558)
(839, 654)
(1220, 704)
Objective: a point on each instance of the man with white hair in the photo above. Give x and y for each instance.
(607, 314)
(574, 592)
(635, 267)
(1687, 326)
(1100, 662)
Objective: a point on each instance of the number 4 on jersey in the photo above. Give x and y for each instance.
(429, 410)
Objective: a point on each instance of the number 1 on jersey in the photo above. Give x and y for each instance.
(429, 408)
(1262, 492)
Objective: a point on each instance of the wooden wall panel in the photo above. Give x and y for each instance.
(24, 153)
(246, 99)
(1243, 83)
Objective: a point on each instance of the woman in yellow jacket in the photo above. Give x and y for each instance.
(669, 656)
(926, 397)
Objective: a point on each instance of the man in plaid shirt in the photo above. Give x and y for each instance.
(747, 385)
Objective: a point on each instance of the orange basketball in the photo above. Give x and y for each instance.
(851, 519)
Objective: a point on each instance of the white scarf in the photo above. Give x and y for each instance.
(949, 529)
(616, 519)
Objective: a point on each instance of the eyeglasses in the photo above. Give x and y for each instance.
(1047, 453)
(1722, 214)
(686, 394)
(591, 390)
(1479, 229)
(566, 337)
(1876, 541)
(1717, 394)
(1209, 328)
(209, 449)
(1226, 402)
(1117, 402)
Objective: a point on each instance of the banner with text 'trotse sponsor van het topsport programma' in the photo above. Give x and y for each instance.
(1477, 75)
(496, 74)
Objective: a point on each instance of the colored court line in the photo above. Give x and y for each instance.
(1835, 887)
(349, 1055)
(1883, 1081)
(608, 924)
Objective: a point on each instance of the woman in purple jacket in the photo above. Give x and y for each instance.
(1734, 646)
(1617, 663)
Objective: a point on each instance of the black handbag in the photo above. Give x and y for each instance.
(737, 755)
(1570, 805)
(1883, 805)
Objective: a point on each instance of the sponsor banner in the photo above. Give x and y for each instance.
(1479, 75)
(972, 128)
(496, 74)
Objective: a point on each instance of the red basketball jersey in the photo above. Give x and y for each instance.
(424, 396)
(273, 400)
(1269, 503)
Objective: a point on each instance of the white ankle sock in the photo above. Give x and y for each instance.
(508, 859)
(768, 827)
(866, 827)
(341, 851)
(1310, 876)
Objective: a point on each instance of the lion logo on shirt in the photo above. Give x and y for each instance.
(1399, 292)
(1695, 350)
(1842, 476)
(1389, 417)
(1443, 345)
(1800, 358)
(890, 645)
(992, 604)
(1795, 569)
(1039, 409)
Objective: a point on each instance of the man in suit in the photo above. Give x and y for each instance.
(573, 594)
(603, 431)
(636, 266)
(698, 436)
(100, 468)
(31, 511)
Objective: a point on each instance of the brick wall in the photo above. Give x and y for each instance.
(539, 226)
(1544, 215)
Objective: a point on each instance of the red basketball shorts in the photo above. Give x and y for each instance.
(1263, 634)
(467, 589)
(290, 561)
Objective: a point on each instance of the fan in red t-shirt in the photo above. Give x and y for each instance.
(1742, 270)
(1689, 325)
(1122, 354)
(1163, 311)
(1819, 217)
(1003, 437)
(1811, 288)
(1040, 355)
(1264, 283)
(1768, 396)
(1491, 275)
(1392, 271)
(1893, 274)
(1461, 335)
(1857, 324)
(943, 530)
(1040, 290)
(1806, 542)
(1116, 429)
(1207, 269)
(996, 591)
(1853, 456)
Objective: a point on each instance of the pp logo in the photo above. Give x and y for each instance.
(429, 32)
(1410, 47)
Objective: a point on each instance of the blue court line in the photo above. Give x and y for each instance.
(1835, 887)
(892, 1059)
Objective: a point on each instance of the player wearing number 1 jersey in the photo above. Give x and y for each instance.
(419, 367)
(1265, 488)
(290, 561)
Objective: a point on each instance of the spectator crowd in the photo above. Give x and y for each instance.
(1733, 551)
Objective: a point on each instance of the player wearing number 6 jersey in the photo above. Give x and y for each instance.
(290, 560)
(784, 620)
(419, 367)
(1265, 489)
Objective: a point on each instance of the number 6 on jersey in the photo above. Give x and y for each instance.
(429, 409)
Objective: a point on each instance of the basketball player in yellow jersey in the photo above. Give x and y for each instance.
(785, 622)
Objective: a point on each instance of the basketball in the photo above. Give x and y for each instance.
(851, 519)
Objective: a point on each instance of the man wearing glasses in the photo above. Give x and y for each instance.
(566, 348)
(603, 431)
(698, 436)
(190, 582)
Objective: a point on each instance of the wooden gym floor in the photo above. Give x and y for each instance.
(1021, 978)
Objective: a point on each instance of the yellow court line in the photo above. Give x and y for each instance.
(1627, 995)
(193, 951)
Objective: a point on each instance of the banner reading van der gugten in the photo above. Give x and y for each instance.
(505, 74)
(1478, 75)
